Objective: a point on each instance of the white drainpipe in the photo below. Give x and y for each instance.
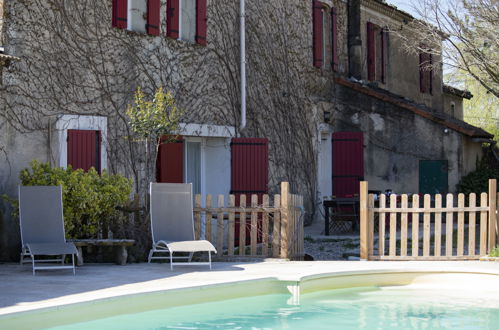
(242, 12)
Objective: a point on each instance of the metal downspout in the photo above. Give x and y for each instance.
(242, 12)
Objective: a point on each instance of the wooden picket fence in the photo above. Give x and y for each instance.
(275, 229)
(470, 230)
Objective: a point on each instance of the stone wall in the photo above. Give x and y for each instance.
(396, 139)
(453, 105)
(74, 62)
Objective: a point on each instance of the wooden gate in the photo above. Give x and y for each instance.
(391, 227)
(279, 233)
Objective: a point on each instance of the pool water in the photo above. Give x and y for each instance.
(361, 308)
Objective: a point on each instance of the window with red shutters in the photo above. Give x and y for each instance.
(83, 149)
(201, 22)
(318, 37)
(426, 71)
(153, 17)
(170, 162)
(120, 14)
(334, 39)
(377, 51)
(172, 18)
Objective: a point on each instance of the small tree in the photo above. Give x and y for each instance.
(153, 123)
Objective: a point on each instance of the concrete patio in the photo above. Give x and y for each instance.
(21, 291)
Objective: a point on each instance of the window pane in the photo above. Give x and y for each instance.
(193, 165)
(188, 20)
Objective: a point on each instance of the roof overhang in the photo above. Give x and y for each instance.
(457, 92)
(420, 110)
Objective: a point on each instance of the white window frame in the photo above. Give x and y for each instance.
(202, 150)
(200, 133)
(67, 122)
(324, 141)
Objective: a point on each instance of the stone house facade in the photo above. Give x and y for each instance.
(80, 62)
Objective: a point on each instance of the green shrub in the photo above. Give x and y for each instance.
(494, 252)
(90, 199)
(478, 181)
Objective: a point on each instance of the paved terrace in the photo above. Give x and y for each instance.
(21, 291)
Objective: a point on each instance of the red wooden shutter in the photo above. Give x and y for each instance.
(153, 17)
(371, 52)
(425, 72)
(249, 175)
(334, 32)
(170, 162)
(84, 149)
(348, 163)
(120, 13)
(201, 27)
(249, 166)
(384, 53)
(430, 73)
(422, 87)
(318, 36)
(172, 18)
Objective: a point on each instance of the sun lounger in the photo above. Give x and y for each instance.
(42, 228)
(172, 224)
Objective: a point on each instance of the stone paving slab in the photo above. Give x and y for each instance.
(21, 291)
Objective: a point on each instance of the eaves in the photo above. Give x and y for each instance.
(435, 116)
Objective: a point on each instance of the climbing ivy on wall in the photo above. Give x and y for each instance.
(74, 62)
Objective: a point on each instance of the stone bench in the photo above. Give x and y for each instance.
(120, 246)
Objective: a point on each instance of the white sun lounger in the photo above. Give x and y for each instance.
(42, 228)
(172, 224)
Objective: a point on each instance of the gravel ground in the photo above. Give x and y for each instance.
(332, 247)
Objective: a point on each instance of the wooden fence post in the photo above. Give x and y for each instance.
(284, 219)
(492, 213)
(197, 218)
(364, 225)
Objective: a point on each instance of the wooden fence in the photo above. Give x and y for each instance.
(273, 228)
(470, 231)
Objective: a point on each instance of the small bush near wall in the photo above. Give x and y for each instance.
(478, 181)
(494, 252)
(90, 199)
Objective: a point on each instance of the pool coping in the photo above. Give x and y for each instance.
(295, 283)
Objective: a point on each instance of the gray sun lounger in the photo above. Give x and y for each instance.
(42, 228)
(172, 224)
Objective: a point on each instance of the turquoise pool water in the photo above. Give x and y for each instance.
(364, 308)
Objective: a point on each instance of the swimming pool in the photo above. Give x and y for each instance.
(364, 308)
(354, 301)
